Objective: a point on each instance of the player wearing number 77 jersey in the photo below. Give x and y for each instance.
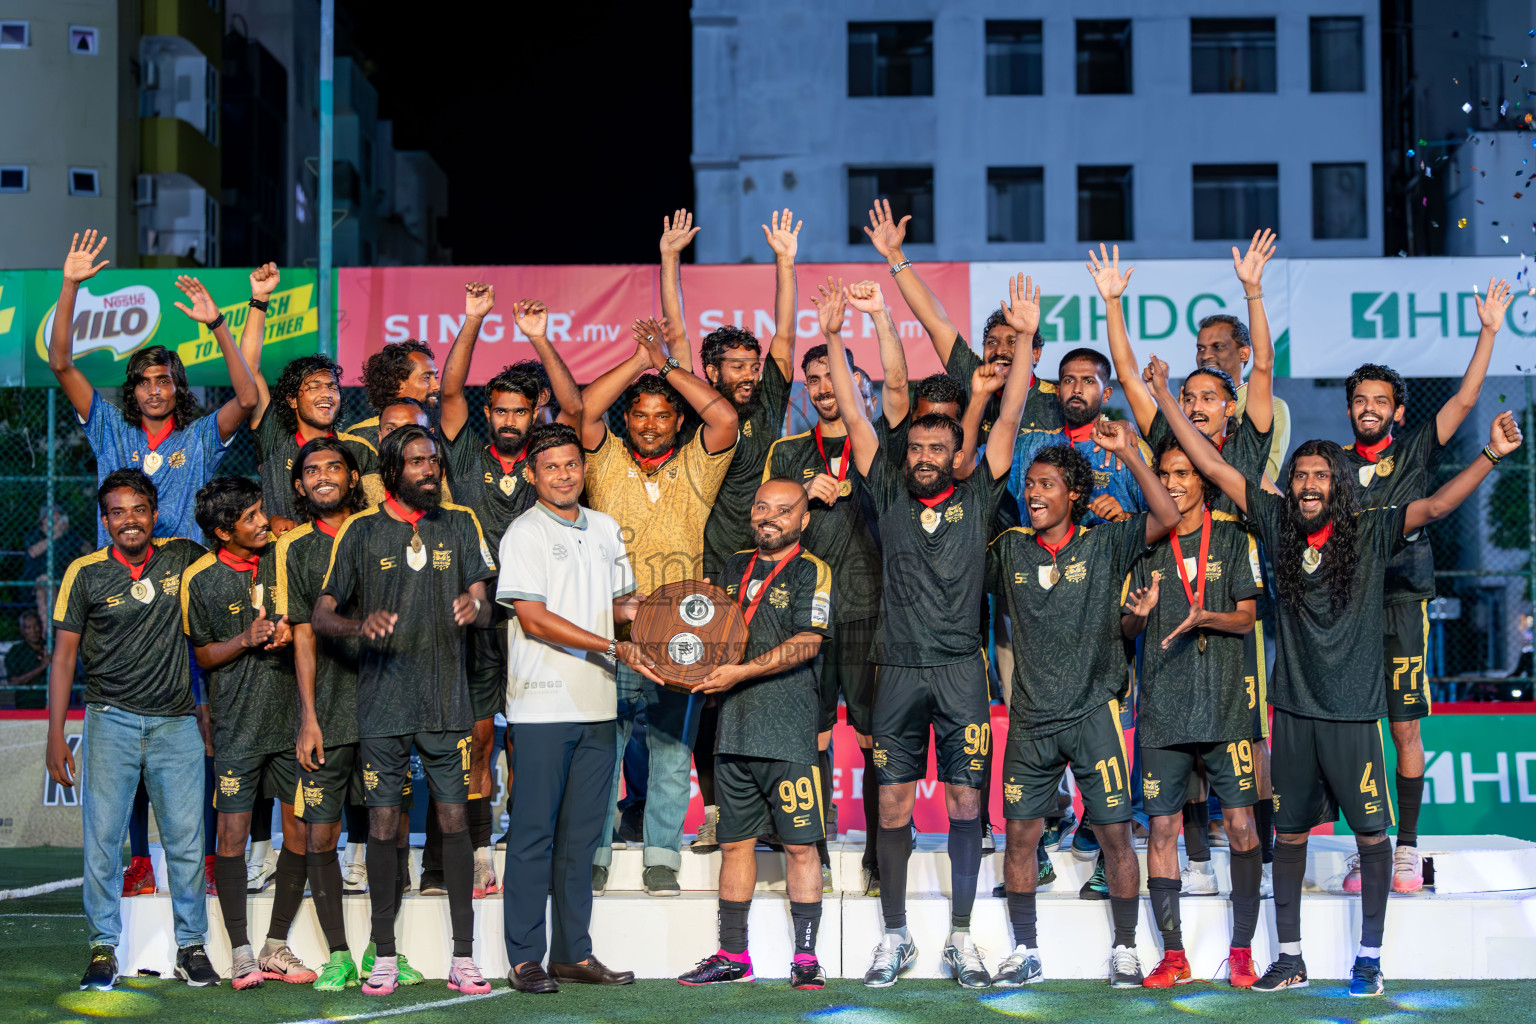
(1331, 559)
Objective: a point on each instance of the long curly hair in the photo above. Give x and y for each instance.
(288, 382)
(184, 411)
(388, 368)
(1076, 473)
(1342, 561)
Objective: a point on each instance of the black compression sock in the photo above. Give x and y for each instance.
(288, 893)
(1197, 820)
(1290, 869)
(733, 925)
(324, 872)
(383, 893)
(807, 922)
(894, 849)
(402, 875)
(459, 880)
(1264, 820)
(871, 796)
(1247, 872)
(432, 848)
(1165, 912)
(1410, 797)
(1021, 914)
(229, 877)
(964, 867)
(1375, 883)
(261, 820)
(1123, 911)
(478, 813)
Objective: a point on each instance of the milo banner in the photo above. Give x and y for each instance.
(118, 312)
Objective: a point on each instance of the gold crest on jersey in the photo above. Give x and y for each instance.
(177, 460)
(229, 785)
(370, 778)
(880, 757)
(1150, 787)
(954, 513)
(312, 794)
(1012, 793)
(1076, 572)
(779, 597)
(442, 559)
(746, 429)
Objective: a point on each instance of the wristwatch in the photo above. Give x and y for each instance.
(670, 365)
(613, 649)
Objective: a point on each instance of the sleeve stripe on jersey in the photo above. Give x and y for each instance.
(371, 421)
(485, 552)
(336, 544)
(344, 436)
(61, 603)
(1028, 531)
(823, 574)
(284, 543)
(186, 586)
(768, 473)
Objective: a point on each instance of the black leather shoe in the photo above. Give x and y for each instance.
(532, 979)
(593, 972)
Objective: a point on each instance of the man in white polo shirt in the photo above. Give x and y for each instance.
(567, 577)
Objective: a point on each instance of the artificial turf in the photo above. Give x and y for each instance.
(42, 948)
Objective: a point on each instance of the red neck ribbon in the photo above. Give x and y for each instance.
(1372, 452)
(411, 516)
(842, 466)
(325, 528)
(1078, 434)
(1222, 440)
(154, 440)
(1318, 539)
(1055, 549)
(506, 465)
(135, 571)
(1196, 594)
(298, 436)
(250, 565)
(762, 589)
(937, 498)
(652, 464)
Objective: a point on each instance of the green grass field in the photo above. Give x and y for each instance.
(42, 950)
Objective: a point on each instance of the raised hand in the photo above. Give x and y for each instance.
(80, 264)
(531, 317)
(1108, 509)
(1156, 376)
(264, 281)
(676, 232)
(650, 341)
(782, 239)
(986, 380)
(479, 299)
(202, 309)
(823, 488)
(1250, 267)
(1504, 435)
(1491, 310)
(828, 301)
(1022, 310)
(1105, 268)
(866, 297)
(884, 231)
(1142, 600)
(1116, 438)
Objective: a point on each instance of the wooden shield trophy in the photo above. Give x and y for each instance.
(689, 628)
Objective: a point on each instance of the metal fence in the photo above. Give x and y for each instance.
(1480, 647)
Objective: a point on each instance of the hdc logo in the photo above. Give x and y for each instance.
(1374, 315)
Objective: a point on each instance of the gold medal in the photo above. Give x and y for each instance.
(1054, 575)
(929, 519)
(416, 554)
(1200, 643)
(1384, 467)
(508, 484)
(1311, 558)
(258, 592)
(142, 591)
(152, 462)
(844, 488)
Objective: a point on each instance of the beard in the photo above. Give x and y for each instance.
(508, 441)
(938, 486)
(1078, 415)
(321, 508)
(1361, 437)
(775, 542)
(133, 547)
(419, 498)
(1309, 524)
(744, 410)
(654, 450)
(313, 416)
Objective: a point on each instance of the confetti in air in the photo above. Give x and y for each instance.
(1462, 222)
(1466, 108)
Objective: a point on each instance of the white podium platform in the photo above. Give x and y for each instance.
(1478, 921)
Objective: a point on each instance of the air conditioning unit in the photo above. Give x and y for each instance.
(144, 190)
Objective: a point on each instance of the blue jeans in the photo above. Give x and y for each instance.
(116, 748)
(669, 731)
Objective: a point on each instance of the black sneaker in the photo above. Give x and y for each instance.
(1365, 978)
(1096, 888)
(192, 967)
(717, 969)
(805, 974)
(1289, 971)
(102, 974)
(1045, 868)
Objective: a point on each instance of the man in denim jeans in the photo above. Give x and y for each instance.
(120, 610)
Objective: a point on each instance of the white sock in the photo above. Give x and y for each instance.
(1290, 948)
(900, 935)
(1373, 952)
(959, 938)
(1026, 950)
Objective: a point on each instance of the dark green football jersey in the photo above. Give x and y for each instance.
(131, 641)
(1190, 696)
(729, 527)
(277, 447)
(367, 429)
(1068, 658)
(1401, 474)
(412, 680)
(1042, 408)
(933, 565)
(1245, 450)
(497, 493)
(1328, 664)
(839, 534)
(776, 716)
(253, 701)
(303, 555)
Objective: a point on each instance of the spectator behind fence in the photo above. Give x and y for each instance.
(26, 664)
(68, 545)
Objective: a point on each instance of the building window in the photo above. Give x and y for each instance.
(1232, 201)
(1232, 54)
(84, 181)
(1103, 57)
(82, 40)
(211, 104)
(1015, 204)
(910, 191)
(15, 35)
(1014, 58)
(1104, 204)
(1338, 54)
(890, 58)
(1338, 201)
(13, 178)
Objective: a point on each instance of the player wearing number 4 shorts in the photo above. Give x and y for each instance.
(1194, 595)
(766, 776)
(1329, 694)
(1063, 584)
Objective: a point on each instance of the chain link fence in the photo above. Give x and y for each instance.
(1480, 623)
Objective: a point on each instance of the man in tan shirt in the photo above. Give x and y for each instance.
(660, 488)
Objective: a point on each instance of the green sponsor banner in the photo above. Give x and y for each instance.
(118, 312)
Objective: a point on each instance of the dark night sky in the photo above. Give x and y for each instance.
(564, 127)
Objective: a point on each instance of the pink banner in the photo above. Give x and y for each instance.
(591, 308)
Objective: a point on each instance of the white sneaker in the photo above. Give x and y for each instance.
(486, 882)
(260, 866)
(1199, 879)
(354, 869)
(704, 841)
(1267, 883)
